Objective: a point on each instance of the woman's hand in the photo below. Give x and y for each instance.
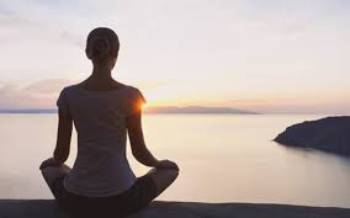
(166, 164)
(51, 162)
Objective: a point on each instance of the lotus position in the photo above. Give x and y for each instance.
(104, 111)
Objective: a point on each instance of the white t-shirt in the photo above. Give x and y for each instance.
(101, 168)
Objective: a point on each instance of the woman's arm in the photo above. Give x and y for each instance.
(138, 146)
(64, 133)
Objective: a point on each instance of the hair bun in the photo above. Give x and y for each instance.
(99, 48)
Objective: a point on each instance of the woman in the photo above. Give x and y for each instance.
(101, 182)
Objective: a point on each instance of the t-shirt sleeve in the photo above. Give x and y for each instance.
(137, 99)
(62, 102)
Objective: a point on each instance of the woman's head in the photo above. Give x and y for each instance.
(102, 46)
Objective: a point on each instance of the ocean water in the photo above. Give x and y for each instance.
(223, 158)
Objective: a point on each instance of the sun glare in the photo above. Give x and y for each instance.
(143, 105)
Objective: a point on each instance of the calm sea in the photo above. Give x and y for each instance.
(223, 158)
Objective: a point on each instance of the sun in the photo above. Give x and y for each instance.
(143, 105)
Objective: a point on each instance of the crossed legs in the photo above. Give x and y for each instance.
(162, 178)
(51, 173)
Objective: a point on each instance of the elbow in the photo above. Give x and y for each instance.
(61, 155)
(141, 156)
(138, 155)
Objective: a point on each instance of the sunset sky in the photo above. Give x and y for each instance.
(263, 56)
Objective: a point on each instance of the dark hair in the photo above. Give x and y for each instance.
(102, 42)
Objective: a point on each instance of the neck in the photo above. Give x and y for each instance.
(102, 72)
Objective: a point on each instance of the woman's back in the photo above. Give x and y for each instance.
(101, 167)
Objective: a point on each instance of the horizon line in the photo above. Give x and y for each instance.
(149, 110)
(175, 110)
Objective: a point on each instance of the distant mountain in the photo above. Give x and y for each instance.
(153, 110)
(196, 110)
(331, 134)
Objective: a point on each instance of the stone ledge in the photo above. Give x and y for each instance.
(48, 209)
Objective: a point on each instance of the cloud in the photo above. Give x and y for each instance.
(35, 22)
(47, 86)
(38, 94)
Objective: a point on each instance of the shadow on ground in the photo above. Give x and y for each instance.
(49, 209)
